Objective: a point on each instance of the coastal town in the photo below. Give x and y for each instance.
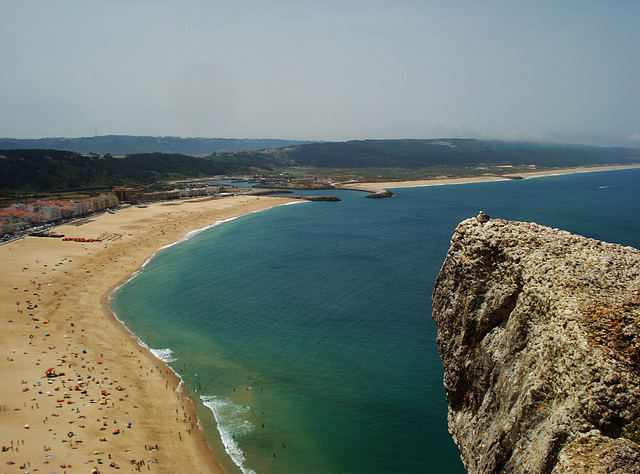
(21, 217)
(38, 216)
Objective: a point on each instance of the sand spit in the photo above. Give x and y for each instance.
(487, 177)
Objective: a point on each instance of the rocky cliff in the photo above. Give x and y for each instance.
(539, 334)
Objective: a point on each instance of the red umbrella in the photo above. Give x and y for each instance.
(52, 369)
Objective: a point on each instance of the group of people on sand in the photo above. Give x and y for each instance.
(140, 464)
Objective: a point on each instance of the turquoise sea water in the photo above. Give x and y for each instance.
(305, 331)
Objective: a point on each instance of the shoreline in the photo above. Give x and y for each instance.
(475, 179)
(62, 320)
(175, 382)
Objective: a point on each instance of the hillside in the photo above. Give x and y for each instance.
(33, 171)
(126, 145)
(415, 154)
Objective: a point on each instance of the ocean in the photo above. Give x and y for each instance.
(305, 334)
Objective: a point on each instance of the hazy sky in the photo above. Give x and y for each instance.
(562, 70)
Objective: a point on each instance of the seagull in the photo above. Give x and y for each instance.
(482, 217)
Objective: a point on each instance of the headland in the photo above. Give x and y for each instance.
(538, 335)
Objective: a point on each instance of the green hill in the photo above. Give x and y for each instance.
(446, 152)
(34, 171)
(126, 144)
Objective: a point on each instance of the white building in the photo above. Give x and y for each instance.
(50, 213)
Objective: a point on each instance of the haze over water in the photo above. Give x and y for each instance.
(306, 329)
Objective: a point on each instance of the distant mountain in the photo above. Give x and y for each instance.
(126, 144)
(454, 152)
(415, 154)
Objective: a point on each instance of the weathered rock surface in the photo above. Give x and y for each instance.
(539, 334)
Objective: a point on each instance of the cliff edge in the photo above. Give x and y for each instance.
(539, 334)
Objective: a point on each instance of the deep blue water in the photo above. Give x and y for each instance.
(307, 328)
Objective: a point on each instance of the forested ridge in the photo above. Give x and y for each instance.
(40, 170)
(24, 171)
(448, 152)
(128, 144)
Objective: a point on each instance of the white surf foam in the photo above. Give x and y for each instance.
(165, 355)
(231, 423)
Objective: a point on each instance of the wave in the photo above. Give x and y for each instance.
(230, 422)
(165, 355)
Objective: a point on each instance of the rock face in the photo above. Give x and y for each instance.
(539, 334)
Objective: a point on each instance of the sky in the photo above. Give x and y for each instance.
(556, 71)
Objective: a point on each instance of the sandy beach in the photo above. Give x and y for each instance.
(487, 177)
(116, 406)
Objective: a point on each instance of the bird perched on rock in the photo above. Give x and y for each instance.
(482, 217)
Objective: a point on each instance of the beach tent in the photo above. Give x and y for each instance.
(51, 372)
